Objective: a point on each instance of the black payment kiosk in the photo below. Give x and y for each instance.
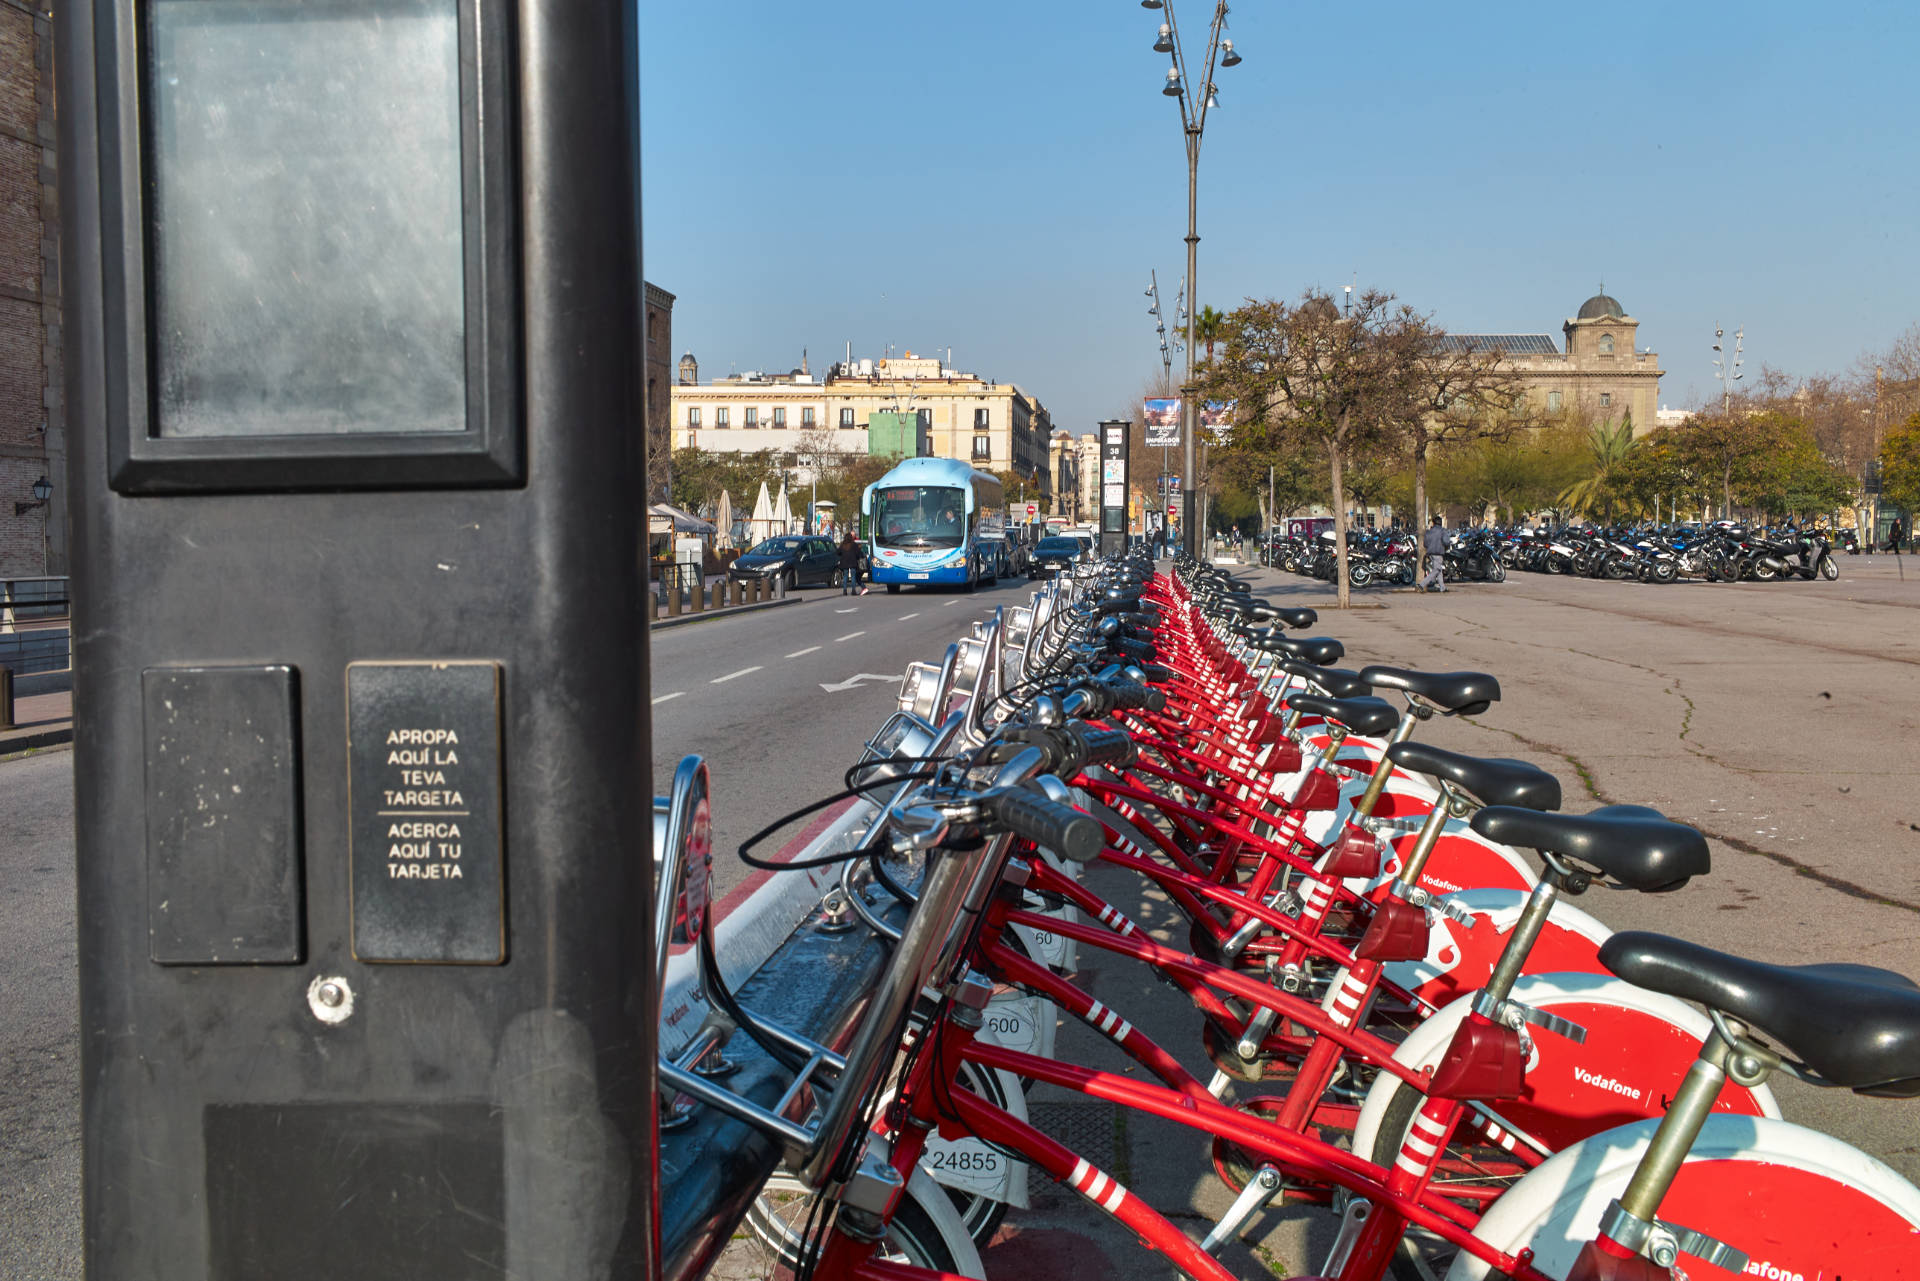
(360, 657)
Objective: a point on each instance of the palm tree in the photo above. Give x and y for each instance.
(1207, 326)
(1611, 444)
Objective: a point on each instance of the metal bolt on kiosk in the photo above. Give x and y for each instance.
(360, 656)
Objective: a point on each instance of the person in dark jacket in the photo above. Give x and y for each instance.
(1894, 539)
(1435, 544)
(850, 567)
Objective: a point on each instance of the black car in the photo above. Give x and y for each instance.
(797, 558)
(1060, 552)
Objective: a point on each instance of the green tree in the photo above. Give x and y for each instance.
(1610, 445)
(1207, 327)
(1786, 474)
(1900, 466)
(699, 475)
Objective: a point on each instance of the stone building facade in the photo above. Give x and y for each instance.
(1601, 372)
(995, 426)
(32, 415)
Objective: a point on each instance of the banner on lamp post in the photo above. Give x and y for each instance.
(1162, 417)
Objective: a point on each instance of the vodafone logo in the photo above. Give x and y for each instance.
(1761, 1268)
(1612, 1086)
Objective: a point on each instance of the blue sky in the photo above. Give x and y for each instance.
(999, 179)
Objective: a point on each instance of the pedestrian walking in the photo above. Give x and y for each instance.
(1435, 543)
(850, 566)
(1893, 535)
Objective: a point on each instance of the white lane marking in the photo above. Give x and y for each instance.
(854, 610)
(731, 675)
(853, 681)
(664, 697)
(952, 603)
(849, 636)
(905, 617)
(798, 652)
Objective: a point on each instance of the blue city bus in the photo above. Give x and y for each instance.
(935, 520)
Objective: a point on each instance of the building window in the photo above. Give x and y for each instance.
(720, 416)
(780, 416)
(751, 417)
(846, 418)
(1553, 402)
(980, 420)
(806, 416)
(693, 415)
(982, 447)
(1606, 400)
(1606, 344)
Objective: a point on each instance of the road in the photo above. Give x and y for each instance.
(766, 696)
(39, 999)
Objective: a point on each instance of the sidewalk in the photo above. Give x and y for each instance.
(39, 720)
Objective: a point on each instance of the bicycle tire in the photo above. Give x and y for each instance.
(779, 1213)
(1793, 1199)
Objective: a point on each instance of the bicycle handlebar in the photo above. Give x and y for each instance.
(1067, 832)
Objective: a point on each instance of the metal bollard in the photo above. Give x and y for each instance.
(653, 607)
(696, 598)
(673, 601)
(735, 593)
(719, 596)
(6, 697)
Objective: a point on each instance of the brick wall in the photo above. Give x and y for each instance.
(32, 419)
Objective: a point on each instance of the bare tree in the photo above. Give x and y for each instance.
(1308, 372)
(1453, 392)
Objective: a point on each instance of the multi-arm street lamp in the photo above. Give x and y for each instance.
(1728, 376)
(1193, 122)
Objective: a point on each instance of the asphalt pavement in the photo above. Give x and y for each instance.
(780, 702)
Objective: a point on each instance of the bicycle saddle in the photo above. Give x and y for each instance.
(1855, 1025)
(1489, 780)
(1640, 848)
(1455, 692)
(1318, 650)
(1284, 615)
(1368, 717)
(1335, 681)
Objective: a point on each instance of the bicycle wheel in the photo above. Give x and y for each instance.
(1797, 1202)
(778, 1218)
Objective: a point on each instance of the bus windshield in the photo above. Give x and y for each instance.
(919, 516)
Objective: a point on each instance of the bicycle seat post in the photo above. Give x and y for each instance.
(1383, 769)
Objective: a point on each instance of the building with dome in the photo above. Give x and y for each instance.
(1600, 373)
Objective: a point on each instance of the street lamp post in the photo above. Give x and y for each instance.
(1193, 122)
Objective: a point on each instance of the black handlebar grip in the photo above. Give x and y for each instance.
(1121, 604)
(1110, 747)
(1158, 675)
(1134, 649)
(1128, 696)
(1067, 832)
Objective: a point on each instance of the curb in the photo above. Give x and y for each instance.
(731, 611)
(15, 742)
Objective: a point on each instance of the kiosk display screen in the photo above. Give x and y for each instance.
(307, 268)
